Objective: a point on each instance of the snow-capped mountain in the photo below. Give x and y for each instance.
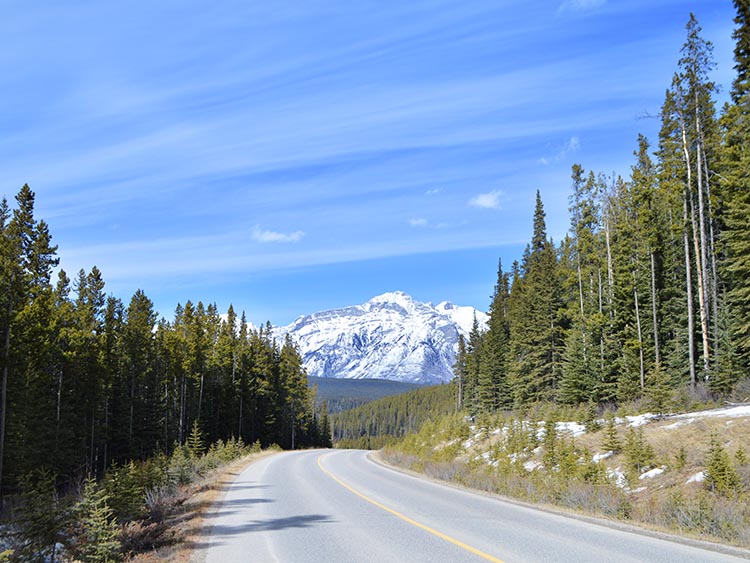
(392, 336)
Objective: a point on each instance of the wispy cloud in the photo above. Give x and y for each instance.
(261, 235)
(569, 147)
(490, 200)
(434, 191)
(581, 5)
(418, 222)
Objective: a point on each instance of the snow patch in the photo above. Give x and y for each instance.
(598, 457)
(741, 410)
(653, 473)
(640, 420)
(573, 428)
(619, 477)
(679, 423)
(531, 465)
(697, 478)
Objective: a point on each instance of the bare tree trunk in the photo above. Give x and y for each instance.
(712, 257)
(703, 271)
(181, 425)
(689, 287)
(690, 219)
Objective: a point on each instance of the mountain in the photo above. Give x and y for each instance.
(392, 336)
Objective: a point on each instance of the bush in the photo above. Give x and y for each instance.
(139, 536)
(40, 518)
(95, 534)
(721, 476)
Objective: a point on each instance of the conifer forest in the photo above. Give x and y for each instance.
(89, 381)
(648, 294)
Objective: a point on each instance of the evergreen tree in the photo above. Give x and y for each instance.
(494, 391)
(735, 192)
(96, 531)
(535, 327)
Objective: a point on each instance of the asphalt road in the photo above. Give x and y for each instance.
(339, 506)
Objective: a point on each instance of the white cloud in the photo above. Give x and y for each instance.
(568, 147)
(572, 145)
(260, 235)
(418, 222)
(490, 200)
(434, 191)
(581, 5)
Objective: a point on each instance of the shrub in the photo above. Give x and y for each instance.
(95, 534)
(721, 476)
(125, 490)
(40, 518)
(639, 454)
(138, 536)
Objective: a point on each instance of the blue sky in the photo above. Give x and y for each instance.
(289, 157)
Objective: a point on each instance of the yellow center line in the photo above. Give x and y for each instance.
(432, 531)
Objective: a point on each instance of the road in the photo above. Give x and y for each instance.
(339, 506)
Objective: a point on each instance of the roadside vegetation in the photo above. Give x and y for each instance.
(135, 513)
(687, 474)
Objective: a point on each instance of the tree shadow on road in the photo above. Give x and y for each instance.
(272, 524)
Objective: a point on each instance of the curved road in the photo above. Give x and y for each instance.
(339, 506)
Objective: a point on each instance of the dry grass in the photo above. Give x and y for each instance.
(188, 524)
(500, 458)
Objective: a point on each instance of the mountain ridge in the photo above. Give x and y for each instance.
(392, 336)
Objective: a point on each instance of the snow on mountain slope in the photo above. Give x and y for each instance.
(392, 336)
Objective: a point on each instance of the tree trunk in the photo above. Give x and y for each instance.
(689, 287)
(703, 272)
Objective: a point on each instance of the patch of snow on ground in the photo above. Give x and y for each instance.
(468, 443)
(638, 490)
(572, 428)
(679, 423)
(640, 420)
(531, 465)
(497, 431)
(619, 477)
(742, 410)
(652, 473)
(598, 457)
(697, 478)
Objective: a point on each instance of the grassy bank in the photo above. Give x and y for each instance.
(686, 474)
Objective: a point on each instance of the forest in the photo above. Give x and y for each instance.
(88, 381)
(648, 295)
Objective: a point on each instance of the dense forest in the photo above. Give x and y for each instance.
(649, 293)
(88, 381)
(384, 420)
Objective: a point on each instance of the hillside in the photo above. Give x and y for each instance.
(345, 394)
(383, 421)
(687, 473)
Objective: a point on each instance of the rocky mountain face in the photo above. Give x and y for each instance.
(392, 336)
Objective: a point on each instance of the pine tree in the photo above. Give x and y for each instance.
(494, 391)
(41, 517)
(96, 531)
(535, 329)
(735, 191)
(195, 443)
(721, 476)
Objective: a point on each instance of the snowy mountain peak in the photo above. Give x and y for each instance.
(391, 336)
